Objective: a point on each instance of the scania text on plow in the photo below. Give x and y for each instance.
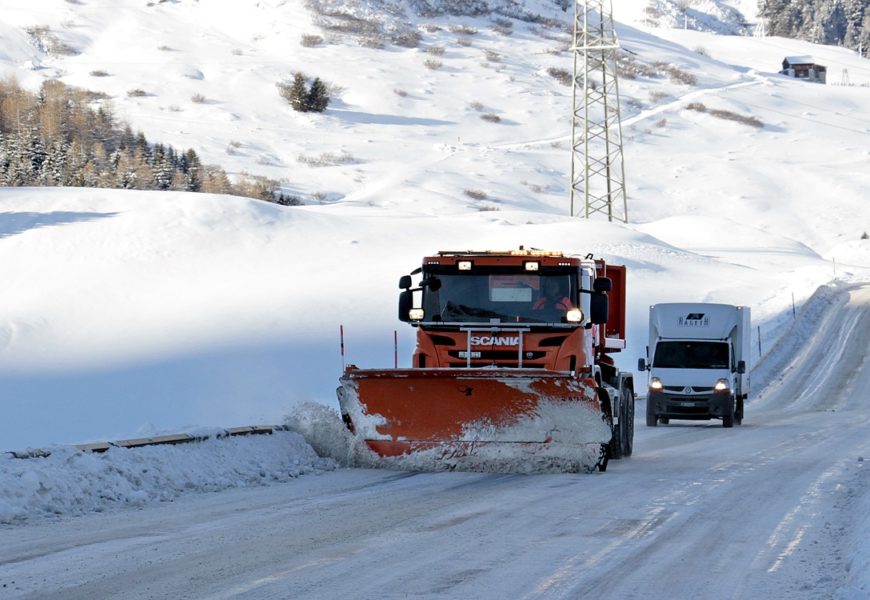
(513, 363)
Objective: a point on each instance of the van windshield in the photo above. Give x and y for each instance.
(691, 354)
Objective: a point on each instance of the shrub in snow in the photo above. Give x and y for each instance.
(310, 40)
(463, 29)
(305, 99)
(563, 76)
(407, 39)
(732, 116)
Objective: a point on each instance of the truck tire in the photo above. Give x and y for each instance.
(651, 419)
(602, 462)
(614, 448)
(738, 414)
(728, 417)
(626, 422)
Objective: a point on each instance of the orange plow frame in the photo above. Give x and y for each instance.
(460, 412)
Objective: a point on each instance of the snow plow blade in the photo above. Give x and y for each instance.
(479, 419)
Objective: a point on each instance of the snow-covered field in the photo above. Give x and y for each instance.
(136, 313)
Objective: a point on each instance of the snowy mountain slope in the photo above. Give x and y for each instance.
(228, 310)
(133, 313)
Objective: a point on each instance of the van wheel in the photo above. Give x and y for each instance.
(728, 417)
(651, 418)
(738, 414)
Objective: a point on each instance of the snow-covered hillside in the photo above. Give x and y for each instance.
(130, 313)
(134, 313)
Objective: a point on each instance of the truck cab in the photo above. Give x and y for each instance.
(515, 309)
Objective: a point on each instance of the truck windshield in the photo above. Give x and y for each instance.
(691, 354)
(501, 297)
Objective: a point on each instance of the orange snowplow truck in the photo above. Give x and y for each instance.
(513, 362)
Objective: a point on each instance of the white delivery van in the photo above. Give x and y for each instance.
(697, 361)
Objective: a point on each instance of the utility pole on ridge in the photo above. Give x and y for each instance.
(597, 168)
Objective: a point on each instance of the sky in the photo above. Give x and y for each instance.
(131, 313)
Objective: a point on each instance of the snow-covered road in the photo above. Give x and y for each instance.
(764, 510)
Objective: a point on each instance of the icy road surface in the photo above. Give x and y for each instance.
(766, 510)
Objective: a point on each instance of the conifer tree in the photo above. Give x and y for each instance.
(297, 96)
(317, 98)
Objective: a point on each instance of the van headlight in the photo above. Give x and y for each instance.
(655, 385)
(722, 387)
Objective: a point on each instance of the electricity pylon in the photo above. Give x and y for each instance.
(597, 169)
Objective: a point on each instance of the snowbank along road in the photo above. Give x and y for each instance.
(763, 510)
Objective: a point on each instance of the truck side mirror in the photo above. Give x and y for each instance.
(741, 367)
(602, 284)
(641, 364)
(598, 308)
(433, 283)
(406, 303)
(405, 282)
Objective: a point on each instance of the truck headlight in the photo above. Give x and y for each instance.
(575, 315)
(416, 314)
(722, 387)
(655, 384)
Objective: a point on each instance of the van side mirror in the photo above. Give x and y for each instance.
(598, 308)
(406, 303)
(641, 364)
(741, 367)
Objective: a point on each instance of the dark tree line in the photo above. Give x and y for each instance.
(57, 137)
(832, 22)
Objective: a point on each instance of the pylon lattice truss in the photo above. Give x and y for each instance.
(597, 169)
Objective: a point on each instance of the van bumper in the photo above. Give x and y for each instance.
(691, 407)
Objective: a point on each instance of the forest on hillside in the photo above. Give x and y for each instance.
(832, 22)
(65, 136)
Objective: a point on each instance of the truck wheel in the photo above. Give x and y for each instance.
(627, 422)
(738, 414)
(602, 461)
(728, 417)
(651, 419)
(614, 448)
(664, 420)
